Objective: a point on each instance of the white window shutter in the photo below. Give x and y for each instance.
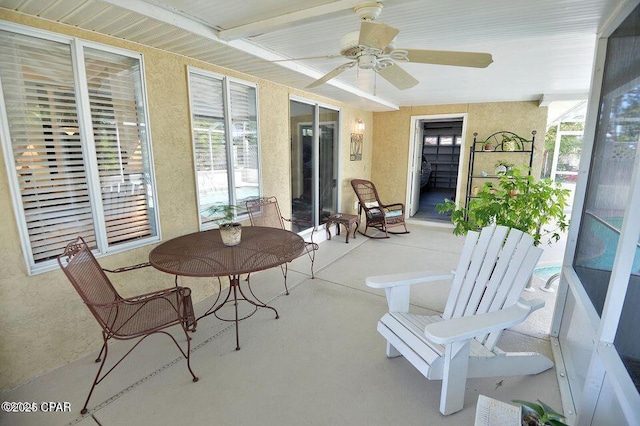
(37, 80)
(224, 116)
(41, 138)
(209, 139)
(119, 130)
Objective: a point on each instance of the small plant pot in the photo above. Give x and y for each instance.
(231, 234)
(509, 146)
(529, 417)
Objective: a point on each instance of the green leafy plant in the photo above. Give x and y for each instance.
(223, 215)
(539, 414)
(512, 142)
(516, 201)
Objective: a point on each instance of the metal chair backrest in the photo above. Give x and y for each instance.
(89, 280)
(264, 211)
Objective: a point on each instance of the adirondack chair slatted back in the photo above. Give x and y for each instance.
(493, 270)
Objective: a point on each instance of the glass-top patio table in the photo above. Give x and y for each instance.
(202, 254)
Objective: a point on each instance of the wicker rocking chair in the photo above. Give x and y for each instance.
(264, 211)
(125, 318)
(377, 215)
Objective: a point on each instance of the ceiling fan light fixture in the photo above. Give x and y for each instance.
(367, 62)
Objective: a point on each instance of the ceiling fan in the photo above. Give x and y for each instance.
(372, 48)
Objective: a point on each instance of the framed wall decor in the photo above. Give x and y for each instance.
(356, 146)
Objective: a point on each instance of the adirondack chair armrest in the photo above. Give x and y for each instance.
(535, 304)
(464, 328)
(397, 286)
(406, 278)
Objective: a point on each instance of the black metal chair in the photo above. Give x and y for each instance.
(125, 318)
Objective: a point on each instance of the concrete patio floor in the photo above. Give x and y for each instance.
(321, 363)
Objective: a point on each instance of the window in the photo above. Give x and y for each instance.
(76, 144)
(599, 260)
(224, 121)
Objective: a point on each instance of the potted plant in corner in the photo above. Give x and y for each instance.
(541, 414)
(516, 201)
(224, 216)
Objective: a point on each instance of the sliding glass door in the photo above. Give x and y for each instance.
(314, 163)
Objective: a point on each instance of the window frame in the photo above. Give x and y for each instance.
(226, 82)
(90, 162)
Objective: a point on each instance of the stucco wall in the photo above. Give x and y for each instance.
(43, 321)
(391, 138)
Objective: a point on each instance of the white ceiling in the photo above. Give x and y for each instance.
(540, 48)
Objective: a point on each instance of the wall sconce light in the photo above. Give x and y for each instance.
(359, 126)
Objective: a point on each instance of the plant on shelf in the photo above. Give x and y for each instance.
(539, 414)
(516, 201)
(503, 167)
(512, 142)
(487, 146)
(224, 216)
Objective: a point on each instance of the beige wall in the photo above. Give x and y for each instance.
(391, 138)
(43, 321)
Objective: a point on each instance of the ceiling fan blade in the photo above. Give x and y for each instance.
(444, 57)
(376, 34)
(331, 74)
(397, 76)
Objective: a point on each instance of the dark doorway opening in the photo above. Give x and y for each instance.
(441, 144)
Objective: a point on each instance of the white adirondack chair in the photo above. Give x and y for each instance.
(494, 267)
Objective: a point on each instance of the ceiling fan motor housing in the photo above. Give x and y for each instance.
(368, 11)
(349, 46)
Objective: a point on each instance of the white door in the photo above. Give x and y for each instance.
(416, 169)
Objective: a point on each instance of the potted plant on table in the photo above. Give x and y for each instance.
(224, 216)
(516, 201)
(539, 414)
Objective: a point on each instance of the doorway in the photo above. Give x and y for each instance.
(314, 163)
(435, 172)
